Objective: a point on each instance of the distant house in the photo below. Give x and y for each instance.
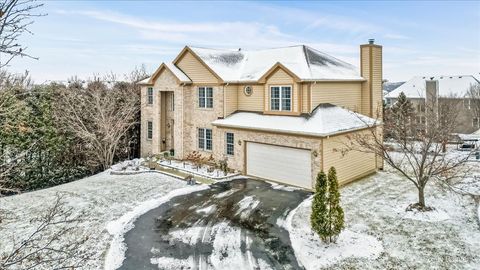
(447, 88)
(280, 114)
(390, 86)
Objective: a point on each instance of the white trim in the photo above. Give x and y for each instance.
(205, 97)
(150, 96)
(226, 143)
(280, 97)
(204, 139)
(149, 122)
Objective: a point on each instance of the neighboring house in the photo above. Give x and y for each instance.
(390, 86)
(453, 89)
(280, 114)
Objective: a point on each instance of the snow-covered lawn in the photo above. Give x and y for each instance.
(380, 234)
(102, 197)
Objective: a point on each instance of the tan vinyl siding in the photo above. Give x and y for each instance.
(305, 98)
(281, 77)
(377, 82)
(231, 99)
(343, 94)
(254, 102)
(195, 70)
(365, 68)
(351, 165)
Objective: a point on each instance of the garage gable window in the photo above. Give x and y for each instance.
(281, 98)
(205, 97)
(149, 130)
(150, 95)
(205, 139)
(229, 142)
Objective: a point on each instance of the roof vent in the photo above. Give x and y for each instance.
(239, 49)
(431, 78)
(371, 41)
(441, 77)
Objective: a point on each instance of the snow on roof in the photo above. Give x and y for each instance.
(325, 120)
(307, 63)
(178, 73)
(144, 81)
(448, 86)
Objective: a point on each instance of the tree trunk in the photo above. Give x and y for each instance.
(421, 197)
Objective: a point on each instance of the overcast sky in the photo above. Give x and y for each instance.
(86, 37)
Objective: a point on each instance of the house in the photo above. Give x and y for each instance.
(453, 89)
(280, 114)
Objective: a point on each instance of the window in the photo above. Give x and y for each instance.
(173, 101)
(476, 122)
(281, 98)
(205, 97)
(420, 120)
(149, 95)
(229, 142)
(205, 139)
(466, 104)
(149, 130)
(421, 107)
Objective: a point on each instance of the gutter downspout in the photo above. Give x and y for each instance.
(225, 100)
(182, 118)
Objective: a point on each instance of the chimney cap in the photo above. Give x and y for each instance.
(371, 41)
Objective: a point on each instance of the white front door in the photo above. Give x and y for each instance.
(292, 166)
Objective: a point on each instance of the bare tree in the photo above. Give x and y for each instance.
(16, 16)
(474, 96)
(100, 117)
(416, 147)
(52, 244)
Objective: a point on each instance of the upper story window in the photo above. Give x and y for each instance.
(281, 98)
(229, 143)
(205, 139)
(150, 95)
(149, 130)
(205, 97)
(467, 104)
(476, 122)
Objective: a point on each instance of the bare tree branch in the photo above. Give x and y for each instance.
(15, 19)
(415, 144)
(50, 244)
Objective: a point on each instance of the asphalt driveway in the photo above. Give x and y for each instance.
(233, 225)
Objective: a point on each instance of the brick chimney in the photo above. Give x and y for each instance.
(372, 71)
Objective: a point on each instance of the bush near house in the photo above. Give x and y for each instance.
(327, 218)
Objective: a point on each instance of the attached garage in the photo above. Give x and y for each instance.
(292, 166)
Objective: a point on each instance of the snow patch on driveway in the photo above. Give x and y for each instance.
(167, 263)
(312, 253)
(117, 228)
(246, 206)
(226, 247)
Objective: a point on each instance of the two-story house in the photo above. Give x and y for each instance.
(425, 91)
(280, 114)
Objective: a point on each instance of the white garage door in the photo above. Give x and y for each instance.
(292, 166)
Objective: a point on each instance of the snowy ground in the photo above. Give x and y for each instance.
(102, 197)
(380, 234)
(190, 168)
